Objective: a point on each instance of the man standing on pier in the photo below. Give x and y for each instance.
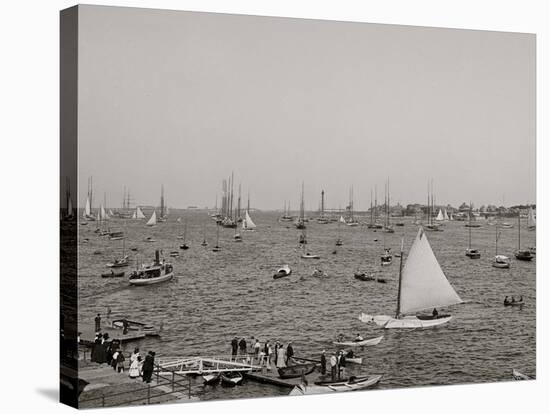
(98, 323)
(234, 347)
(289, 352)
(323, 363)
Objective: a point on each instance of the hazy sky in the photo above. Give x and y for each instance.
(183, 99)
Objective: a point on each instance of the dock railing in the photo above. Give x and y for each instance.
(177, 383)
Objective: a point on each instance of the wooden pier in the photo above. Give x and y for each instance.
(207, 365)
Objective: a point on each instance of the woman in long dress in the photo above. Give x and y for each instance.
(281, 357)
(135, 368)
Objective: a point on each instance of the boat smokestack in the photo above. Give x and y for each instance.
(157, 257)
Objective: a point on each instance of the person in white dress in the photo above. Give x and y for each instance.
(281, 357)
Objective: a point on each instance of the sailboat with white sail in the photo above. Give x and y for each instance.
(152, 220)
(531, 221)
(422, 286)
(138, 214)
(247, 223)
(87, 214)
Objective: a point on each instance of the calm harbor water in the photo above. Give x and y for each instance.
(215, 296)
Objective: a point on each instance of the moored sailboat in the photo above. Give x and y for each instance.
(471, 253)
(152, 220)
(524, 255)
(500, 261)
(422, 285)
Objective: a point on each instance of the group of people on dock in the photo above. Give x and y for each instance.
(263, 354)
(337, 363)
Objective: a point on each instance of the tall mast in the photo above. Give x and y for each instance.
(371, 210)
(397, 310)
(162, 200)
(238, 214)
(470, 227)
(322, 203)
(248, 202)
(519, 230)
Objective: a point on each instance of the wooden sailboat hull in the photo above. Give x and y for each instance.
(408, 322)
(412, 322)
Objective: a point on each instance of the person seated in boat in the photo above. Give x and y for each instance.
(435, 313)
(340, 338)
(506, 301)
(513, 300)
(521, 298)
(358, 338)
(349, 354)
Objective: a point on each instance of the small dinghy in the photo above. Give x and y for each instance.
(149, 240)
(134, 249)
(283, 272)
(318, 273)
(513, 302)
(473, 253)
(119, 262)
(174, 254)
(211, 379)
(112, 274)
(231, 379)
(204, 243)
(310, 256)
(296, 371)
(97, 252)
(518, 376)
(184, 246)
(339, 242)
(363, 276)
(366, 342)
(501, 262)
(352, 384)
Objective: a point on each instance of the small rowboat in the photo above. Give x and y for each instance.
(231, 378)
(112, 274)
(282, 272)
(519, 376)
(211, 379)
(119, 262)
(381, 280)
(515, 303)
(366, 342)
(353, 384)
(295, 371)
(309, 256)
(184, 246)
(149, 240)
(363, 276)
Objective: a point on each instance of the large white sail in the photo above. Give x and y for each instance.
(531, 222)
(153, 220)
(440, 216)
(247, 222)
(139, 213)
(102, 213)
(69, 208)
(88, 208)
(342, 220)
(423, 283)
(445, 216)
(134, 216)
